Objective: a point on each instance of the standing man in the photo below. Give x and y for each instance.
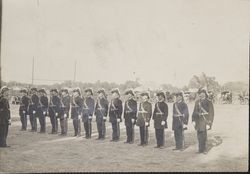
(5, 119)
(115, 112)
(43, 109)
(23, 109)
(130, 111)
(160, 116)
(143, 118)
(180, 119)
(101, 112)
(55, 109)
(65, 107)
(202, 118)
(88, 110)
(76, 111)
(33, 109)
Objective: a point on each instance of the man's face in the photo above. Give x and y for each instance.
(129, 96)
(160, 98)
(6, 94)
(23, 94)
(115, 95)
(202, 95)
(100, 95)
(75, 94)
(88, 93)
(63, 93)
(54, 93)
(144, 98)
(179, 98)
(40, 94)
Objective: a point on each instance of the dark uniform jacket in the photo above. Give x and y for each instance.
(76, 107)
(88, 108)
(4, 111)
(180, 118)
(44, 104)
(101, 109)
(130, 111)
(56, 105)
(203, 114)
(34, 104)
(160, 114)
(115, 110)
(144, 117)
(24, 105)
(66, 105)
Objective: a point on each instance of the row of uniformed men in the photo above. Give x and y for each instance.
(84, 108)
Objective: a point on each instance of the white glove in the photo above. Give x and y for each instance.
(44, 113)
(207, 126)
(56, 114)
(133, 120)
(146, 123)
(162, 123)
(193, 123)
(104, 118)
(118, 120)
(90, 117)
(65, 115)
(9, 121)
(24, 112)
(34, 112)
(79, 116)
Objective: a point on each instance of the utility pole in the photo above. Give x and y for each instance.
(32, 80)
(75, 72)
(1, 2)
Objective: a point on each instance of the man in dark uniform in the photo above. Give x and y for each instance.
(88, 110)
(130, 111)
(43, 109)
(23, 109)
(33, 109)
(65, 107)
(55, 109)
(180, 119)
(160, 116)
(115, 112)
(101, 112)
(76, 111)
(5, 118)
(143, 118)
(202, 118)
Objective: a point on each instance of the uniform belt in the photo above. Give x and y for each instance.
(159, 113)
(178, 115)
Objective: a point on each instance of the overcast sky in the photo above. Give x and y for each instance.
(161, 41)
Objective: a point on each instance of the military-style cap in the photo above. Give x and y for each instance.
(89, 90)
(129, 91)
(145, 93)
(102, 90)
(178, 94)
(33, 89)
(4, 89)
(65, 90)
(78, 90)
(42, 91)
(115, 90)
(24, 91)
(202, 91)
(161, 93)
(54, 90)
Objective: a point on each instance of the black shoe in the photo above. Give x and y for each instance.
(161, 147)
(125, 142)
(176, 149)
(139, 144)
(157, 147)
(6, 146)
(131, 142)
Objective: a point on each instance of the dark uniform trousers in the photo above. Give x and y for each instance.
(53, 121)
(144, 134)
(116, 130)
(3, 134)
(88, 128)
(159, 134)
(64, 125)
(179, 138)
(130, 132)
(101, 129)
(77, 126)
(33, 120)
(23, 118)
(42, 121)
(202, 138)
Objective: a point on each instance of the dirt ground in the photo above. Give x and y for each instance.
(34, 152)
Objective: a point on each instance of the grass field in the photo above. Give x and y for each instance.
(34, 152)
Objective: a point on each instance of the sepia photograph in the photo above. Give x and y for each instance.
(124, 86)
